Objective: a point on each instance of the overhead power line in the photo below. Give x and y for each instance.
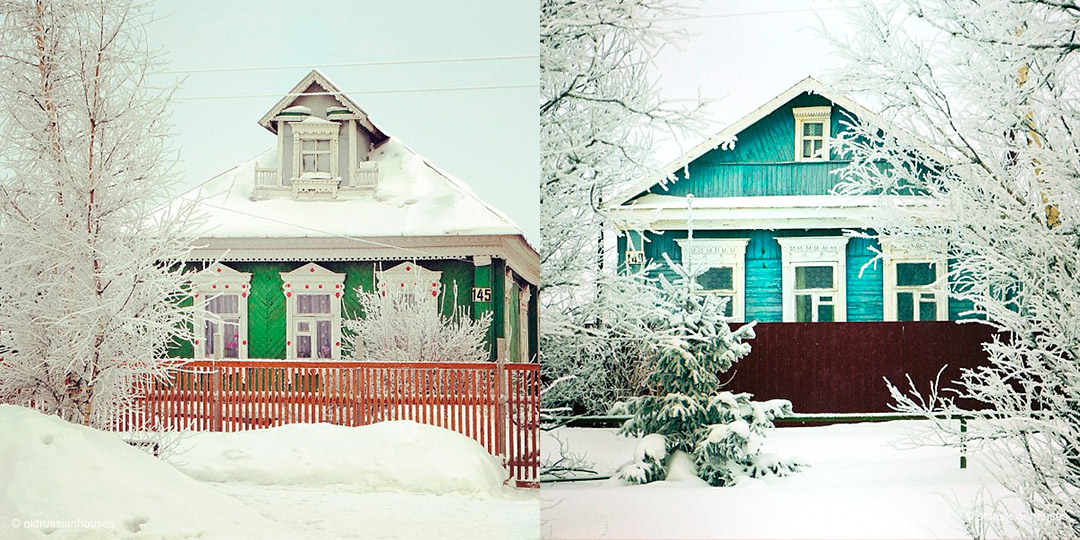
(747, 14)
(390, 91)
(356, 64)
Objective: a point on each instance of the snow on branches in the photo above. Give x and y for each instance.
(406, 328)
(599, 109)
(992, 87)
(722, 431)
(91, 262)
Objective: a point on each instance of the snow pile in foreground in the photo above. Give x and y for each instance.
(387, 456)
(60, 480)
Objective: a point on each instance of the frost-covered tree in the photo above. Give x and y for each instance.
(994, 85)
(90, 261)
(401, 328)
(686, 411)
(599, 108)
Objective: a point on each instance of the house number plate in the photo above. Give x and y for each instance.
(481, 294)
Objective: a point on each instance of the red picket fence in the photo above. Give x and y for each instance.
(236, 395)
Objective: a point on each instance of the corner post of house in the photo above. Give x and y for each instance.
(501, 409)
(216, 420)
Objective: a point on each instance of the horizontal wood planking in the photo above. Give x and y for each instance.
(842, 367)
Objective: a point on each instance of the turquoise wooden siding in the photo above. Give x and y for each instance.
(762, 162)
(764, 296)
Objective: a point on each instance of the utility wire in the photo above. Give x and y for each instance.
(356, 64)
(746, 14)
(391, 91)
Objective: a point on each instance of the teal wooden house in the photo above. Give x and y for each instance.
(767, 230)
(338, 205)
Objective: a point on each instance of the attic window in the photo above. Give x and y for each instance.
(315, 156)
(811, 133)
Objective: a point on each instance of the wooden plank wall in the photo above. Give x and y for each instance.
(839, 367)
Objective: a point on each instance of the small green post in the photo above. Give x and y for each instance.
(963, 442)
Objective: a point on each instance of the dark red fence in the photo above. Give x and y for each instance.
(841, 367)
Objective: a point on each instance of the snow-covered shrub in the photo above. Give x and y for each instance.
(721, 430)
(403, 328)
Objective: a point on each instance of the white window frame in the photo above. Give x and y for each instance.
(410, 278)
(810, 115)
(216, 280)
(312, 279)
(699, 254)
(814, 251)
(895, 253)
(314, 129)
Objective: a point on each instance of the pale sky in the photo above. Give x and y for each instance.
(743, 53)
(486, 137)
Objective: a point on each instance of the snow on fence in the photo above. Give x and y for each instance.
(236, 395)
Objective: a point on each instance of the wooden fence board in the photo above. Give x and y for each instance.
(842, 367)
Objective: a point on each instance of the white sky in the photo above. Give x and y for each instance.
(488, 138)
(742, 53)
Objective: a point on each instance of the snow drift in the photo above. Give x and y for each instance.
(60, 480)
(387, 456)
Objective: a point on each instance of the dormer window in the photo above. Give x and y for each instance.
(315, 157)
(811, 133)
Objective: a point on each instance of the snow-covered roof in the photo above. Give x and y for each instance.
(413, 198)
(728, 134)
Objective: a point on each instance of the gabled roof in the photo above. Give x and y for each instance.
(316, 77)
(727, 136)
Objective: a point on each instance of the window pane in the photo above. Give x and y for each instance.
(309, 145)
(813, 277)
(927, 309)
(303, 326)
(324, 163)
(303, 346)
(209, 332)
(309, 163)
(813, 129)
(905, 307)
(323, 146)
(817, 148)
(231, 337)
(807, 148)
(802, 308)
(826, 313)
(313, 303)
(915, 274)
(728, 307)
(224, 304)
(716, 279)
(322, 331)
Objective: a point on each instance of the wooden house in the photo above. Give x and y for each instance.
(768, 233)
(754, 211)
(338, 205)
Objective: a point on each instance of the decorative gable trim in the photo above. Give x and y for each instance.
(347, 104)
(727, 136)
(409, 278)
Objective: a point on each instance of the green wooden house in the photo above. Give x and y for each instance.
(767, 230)
(339, 205)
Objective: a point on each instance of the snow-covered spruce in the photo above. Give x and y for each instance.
(91, 263)
(722, 431)
(403, 328)
(991, 85)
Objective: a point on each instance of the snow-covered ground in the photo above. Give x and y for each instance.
(390, 480)
(862, 481)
